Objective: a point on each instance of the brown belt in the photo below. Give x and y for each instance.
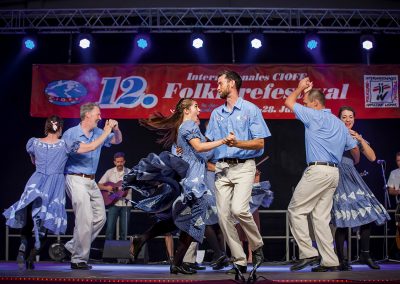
(82, 175)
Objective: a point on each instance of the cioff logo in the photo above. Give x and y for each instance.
(381, 91)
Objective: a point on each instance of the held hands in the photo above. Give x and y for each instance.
(305, 85)
(230, 140)
(110, 125)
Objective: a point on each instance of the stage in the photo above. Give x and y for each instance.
(57, 272)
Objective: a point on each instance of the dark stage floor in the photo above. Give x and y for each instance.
(153, 273)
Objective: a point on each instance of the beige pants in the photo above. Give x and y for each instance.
(90, 215)
(191, 253)
(234, 183)
(314, 195)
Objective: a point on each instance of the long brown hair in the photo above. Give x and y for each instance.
(167, 126)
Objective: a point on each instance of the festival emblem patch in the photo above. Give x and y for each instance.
(381, 91)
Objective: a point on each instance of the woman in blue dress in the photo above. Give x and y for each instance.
(189, 209)
(42, 203)
(354, 204)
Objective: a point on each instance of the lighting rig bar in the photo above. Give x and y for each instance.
(208, 20)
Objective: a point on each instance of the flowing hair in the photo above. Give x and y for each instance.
(167, 126)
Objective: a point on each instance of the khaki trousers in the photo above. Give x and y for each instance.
(314, 195)
(90, 215)
(234, 183)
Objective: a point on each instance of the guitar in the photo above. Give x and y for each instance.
(111, 197)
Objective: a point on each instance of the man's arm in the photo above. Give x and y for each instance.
(117, 134)
(292, 98)
(254, 144)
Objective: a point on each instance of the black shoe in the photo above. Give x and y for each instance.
(81, 266)
(258, 257)
(174, 269)
(220, 263)
(194, 266)
(366, 259)
(302, 263)
(321, 268)
(241, 268)
(345, 266)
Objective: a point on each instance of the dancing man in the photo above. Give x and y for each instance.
(326, 138)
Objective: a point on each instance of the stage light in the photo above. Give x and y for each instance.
(29, 43)
(312, 42)
(197, 42)
(367, 42)
(142, 43)
(84, 43)
(256, 43)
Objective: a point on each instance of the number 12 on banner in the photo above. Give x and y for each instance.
(132, 95)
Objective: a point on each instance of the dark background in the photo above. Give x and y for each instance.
(285, 147)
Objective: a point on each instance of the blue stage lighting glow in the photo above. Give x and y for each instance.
(84, 43)
(312, 44)
(142, 43)
(198, 43)
(367, 44)
(29, 44)
(256, 43)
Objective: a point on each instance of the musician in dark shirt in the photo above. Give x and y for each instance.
(109, 184)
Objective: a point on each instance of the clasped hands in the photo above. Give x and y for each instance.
(230, 140)
(110, 125)
(305, 85)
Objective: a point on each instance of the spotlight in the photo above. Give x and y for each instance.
(142, 41)
(84, 43)
(312, 42)
(29, 43)
(256, 43)
(197, 42)
(256, 40)
(367, 42)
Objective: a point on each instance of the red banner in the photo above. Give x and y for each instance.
(136, 91)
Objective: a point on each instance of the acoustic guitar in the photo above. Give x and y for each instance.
(111, 197)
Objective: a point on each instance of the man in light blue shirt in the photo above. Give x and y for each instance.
(326, 138)
(235, 167)
(81, 187)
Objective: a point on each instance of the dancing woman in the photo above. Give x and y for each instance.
(354, 204)
(42, 204)
(188, 211)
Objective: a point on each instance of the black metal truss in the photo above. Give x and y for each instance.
(167, 20)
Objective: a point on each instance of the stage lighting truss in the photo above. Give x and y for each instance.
(167, 20)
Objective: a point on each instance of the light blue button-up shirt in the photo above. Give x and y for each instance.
(85, 163)
(326, 136)
(245, 121)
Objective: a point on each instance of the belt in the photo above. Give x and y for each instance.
(233, 160)
(322, 164)
(82, 175)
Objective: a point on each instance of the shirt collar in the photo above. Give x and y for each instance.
(237, 105)
(81, 133)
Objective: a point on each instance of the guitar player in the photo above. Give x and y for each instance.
(114, 197)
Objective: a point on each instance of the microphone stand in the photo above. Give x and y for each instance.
(387, 205)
